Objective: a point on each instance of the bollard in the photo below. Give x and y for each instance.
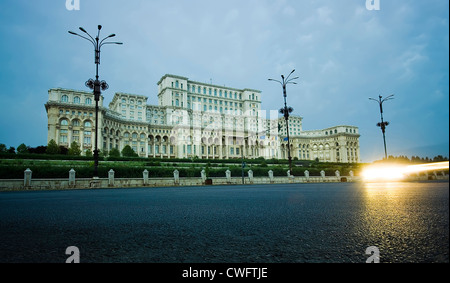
(228, 175)
(271, 176)
(111, 177)
(176, 176)
(72, 177)
(145, 176)
(203, 174)
(307, 175)
(250, 176)
(322, 175)
(27, 178)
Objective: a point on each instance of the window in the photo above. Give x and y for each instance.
(87, 124)
(64, 98)
(76, 99)
(88, 101)
(64, 122)
(76, 123)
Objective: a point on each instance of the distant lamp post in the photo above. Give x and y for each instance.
(286, 110)
(383, 124)
(96, 85)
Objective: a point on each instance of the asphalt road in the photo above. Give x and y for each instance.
(405, 222)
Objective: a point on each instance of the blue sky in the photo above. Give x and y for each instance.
(342, 52)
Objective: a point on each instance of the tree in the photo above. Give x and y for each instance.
(37, 150)
(74, 149)
(114, 152)
(127, 151)
(88, 153)
(52, 147)
(63, 150)
(3, 148)
(22, 148)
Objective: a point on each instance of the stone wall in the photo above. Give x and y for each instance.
(28, 183)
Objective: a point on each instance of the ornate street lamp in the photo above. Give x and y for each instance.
(286, 110)
(96, 85)
(383, 124)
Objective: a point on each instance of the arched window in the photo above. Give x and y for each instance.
(76, 123)
(88, 101)
(76, 99)
(64, 98)
(64, 122)
(87, 124)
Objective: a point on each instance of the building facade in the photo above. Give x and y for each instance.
(192, 119)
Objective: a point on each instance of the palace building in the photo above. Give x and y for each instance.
(193, 119)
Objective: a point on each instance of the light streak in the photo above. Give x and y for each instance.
(394, 172)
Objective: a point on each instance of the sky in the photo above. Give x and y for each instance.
(342, 52)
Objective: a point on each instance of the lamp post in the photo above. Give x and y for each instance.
(286, 110)
(96, 85)
(383, 124)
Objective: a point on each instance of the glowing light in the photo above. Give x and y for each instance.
(383, 173)
(398, 172)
